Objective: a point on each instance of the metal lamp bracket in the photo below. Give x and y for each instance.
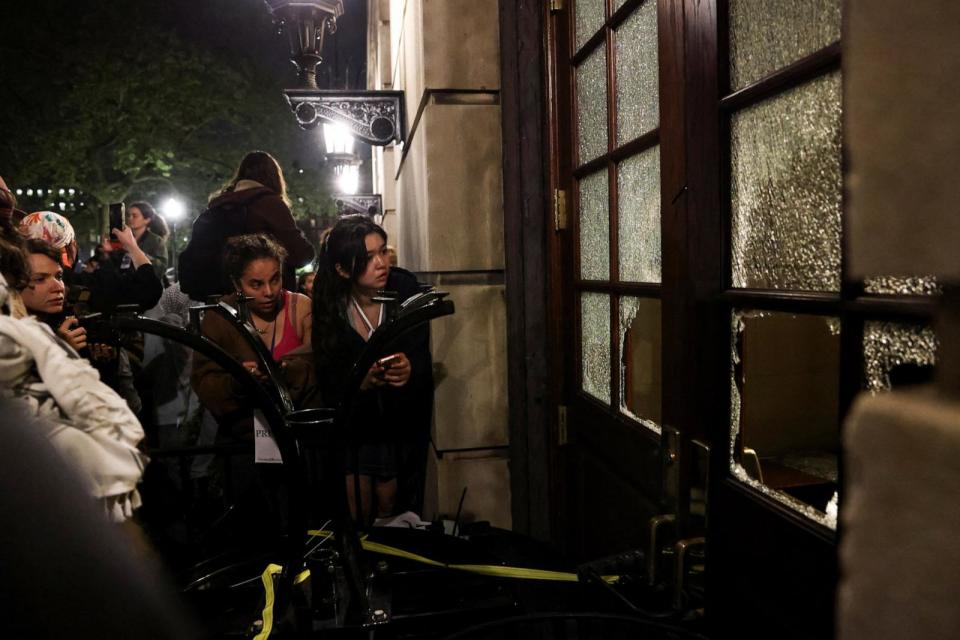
(376, 117)
(368, 204)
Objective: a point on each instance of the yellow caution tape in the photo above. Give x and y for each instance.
(497, 571)
(267, 578)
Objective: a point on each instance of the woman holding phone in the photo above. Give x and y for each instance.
(393, 411)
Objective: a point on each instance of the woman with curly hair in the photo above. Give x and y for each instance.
(281, 318)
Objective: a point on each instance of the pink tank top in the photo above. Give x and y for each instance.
(290, 340)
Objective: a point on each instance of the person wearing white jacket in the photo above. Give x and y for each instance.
(91, 426)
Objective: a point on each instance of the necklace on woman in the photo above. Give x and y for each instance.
(364, 319)
(269, 324)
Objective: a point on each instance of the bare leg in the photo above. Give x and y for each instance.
(386, 497)
(366, 496)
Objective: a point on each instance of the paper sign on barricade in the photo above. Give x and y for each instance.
(265, 447)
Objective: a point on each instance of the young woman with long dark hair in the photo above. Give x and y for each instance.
(393, 411)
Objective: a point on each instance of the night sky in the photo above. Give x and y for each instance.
(45, 42)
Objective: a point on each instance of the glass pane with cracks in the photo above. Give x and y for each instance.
(595, 344)
(640, 361)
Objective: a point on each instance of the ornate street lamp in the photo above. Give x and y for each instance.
(339, 144)
(376, 117)
(306, 23)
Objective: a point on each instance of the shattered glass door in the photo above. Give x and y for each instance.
(617, 186)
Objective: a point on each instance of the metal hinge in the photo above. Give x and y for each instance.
(559, 209)
(555, 5)
(561, 424)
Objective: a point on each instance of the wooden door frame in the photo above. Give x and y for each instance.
(529, 261)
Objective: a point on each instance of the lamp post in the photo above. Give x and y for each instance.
(376, 117)
(339, 143)
(174, 211)
(306, 22)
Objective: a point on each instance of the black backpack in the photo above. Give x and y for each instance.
(200, 264)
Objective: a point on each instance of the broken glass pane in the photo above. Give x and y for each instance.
(786, 190)
(639, 235)
(897, 354)
(638, 102)
(902, 286)
(784, 407)
(640, 368)
(766, 35)
(594, 227)
(595, 344)
(592, 106)
(590, 17)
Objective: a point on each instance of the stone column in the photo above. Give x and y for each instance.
(449, 218)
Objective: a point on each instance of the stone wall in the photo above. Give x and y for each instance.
(443, 194)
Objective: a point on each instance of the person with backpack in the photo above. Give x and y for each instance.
(253, 201)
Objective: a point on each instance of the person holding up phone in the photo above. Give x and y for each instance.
(394, 409)
(151, 232)
(108, 286)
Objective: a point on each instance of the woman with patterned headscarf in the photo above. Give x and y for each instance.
(109, 286)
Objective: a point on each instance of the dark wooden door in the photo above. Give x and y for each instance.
(698, 289)
(608, 281)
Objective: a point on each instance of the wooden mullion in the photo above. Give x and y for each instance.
(793, 75)
(631, 148)
(620, 15)
(591, 167)
(596, 40)
(614, 352)
(637, 145)
(635, 289)
(613, 231)
(895, 308)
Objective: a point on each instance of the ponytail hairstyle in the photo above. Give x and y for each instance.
(157, 224)
(345, 246)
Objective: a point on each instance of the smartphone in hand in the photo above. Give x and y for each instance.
(117, 220)
(117, 216)
(388, 361)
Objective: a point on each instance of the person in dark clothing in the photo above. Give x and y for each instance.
(259, 185)
(392, 414)
(151, 232)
